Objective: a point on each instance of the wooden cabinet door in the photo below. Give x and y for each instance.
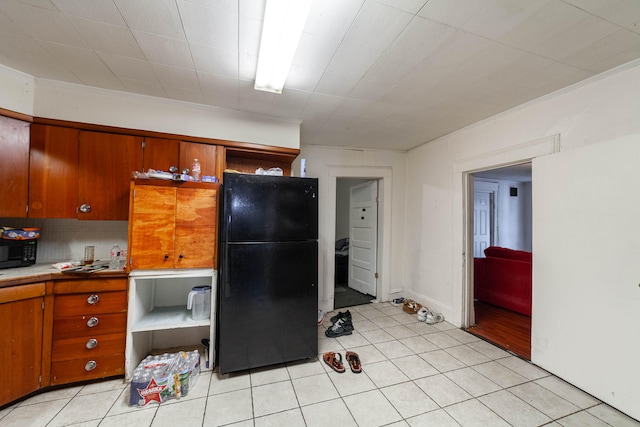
(160, 154)
(151, 227)
(205, 153)
(53, 172)
(106, 162)
(21, 317)
(14, 167)
(196, 231)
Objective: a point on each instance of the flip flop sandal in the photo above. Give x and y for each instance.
(334, 360)
(354, 362)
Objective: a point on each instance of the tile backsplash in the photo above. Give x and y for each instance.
(65, 239)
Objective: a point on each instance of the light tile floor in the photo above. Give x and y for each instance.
(414, 374)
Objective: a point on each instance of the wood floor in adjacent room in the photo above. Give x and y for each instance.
(506, 329)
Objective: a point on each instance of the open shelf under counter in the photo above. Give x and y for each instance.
(168, 318)
(158, 316)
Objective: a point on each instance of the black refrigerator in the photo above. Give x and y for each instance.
(268, 271)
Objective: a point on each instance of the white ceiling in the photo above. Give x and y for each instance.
(368, 73)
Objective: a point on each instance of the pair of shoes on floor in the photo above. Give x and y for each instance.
(334, 360)
(397, 302)
(430, 317)
(342, 325)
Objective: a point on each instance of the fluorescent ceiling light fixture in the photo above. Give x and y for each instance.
(284, 21)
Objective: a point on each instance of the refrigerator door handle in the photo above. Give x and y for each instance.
(225, 267)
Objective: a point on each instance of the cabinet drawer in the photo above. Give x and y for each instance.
(80, 326)
(93, 284)
(87, 368)
(83, 347)
(90, 303)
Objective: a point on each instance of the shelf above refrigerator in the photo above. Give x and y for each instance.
(168, 318)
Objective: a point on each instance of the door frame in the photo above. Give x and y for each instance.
(384, 177)
(463, 176)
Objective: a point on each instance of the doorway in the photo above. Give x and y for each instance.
(502, 217)
(356, 242)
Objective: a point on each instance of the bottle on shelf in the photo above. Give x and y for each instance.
(195, 170)
(116, 254)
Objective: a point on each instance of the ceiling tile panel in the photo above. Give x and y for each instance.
(331, 19)
(290, 103)
(352, 60)
(145, 88)
(186, 95)
(97, 10)
(320, 107)
(42, 24)
(390, 69)
(209, 26)
(498, 17)
(8, 26)
(86, 65)
(152, 16)
(546, 23)
(108, 38)
(254, 101)
(621, 12)
(219, 90)
(27, 55)
(164, 50)
(454, 13)
(458, 49)
(179, 78)
(411, 6)
(216, 61)
(45, 4)
(377, 25)
(618, 43)
(129, 68)
(421, 38)
(315, 52)
(576, 38)
(336, 84)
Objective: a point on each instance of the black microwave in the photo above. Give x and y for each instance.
(17, 253)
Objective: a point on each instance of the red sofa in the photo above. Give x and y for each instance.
(503, 278)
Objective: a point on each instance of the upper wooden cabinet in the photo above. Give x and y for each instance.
(160, 154)
(14, 162)
(206, 154)
(105, 164)
(172, 225)
(53, 172)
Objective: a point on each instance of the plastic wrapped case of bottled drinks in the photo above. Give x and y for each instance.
(162, 377)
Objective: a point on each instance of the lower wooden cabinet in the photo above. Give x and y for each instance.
(21, 317)
(89, 329)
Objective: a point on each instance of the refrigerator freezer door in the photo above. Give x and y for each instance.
(261, 208)
(268, 301)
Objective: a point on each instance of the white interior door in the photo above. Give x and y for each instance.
(363, 237)
(484, 197)
(586, 269)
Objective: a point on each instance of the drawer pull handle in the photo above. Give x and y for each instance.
(92, 343)
(92, 322)
(93, 299)
(90, 366)
(166, 256)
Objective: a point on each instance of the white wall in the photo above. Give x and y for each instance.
(16, 91)
(328, 164)
(64, 101)
(604, 108)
